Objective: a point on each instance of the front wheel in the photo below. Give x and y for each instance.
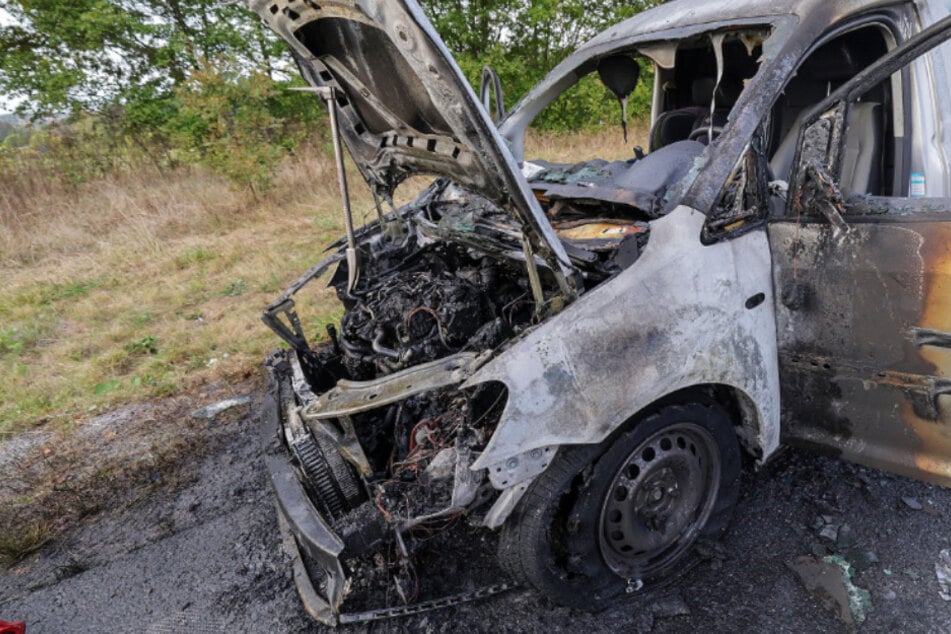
(626, 514)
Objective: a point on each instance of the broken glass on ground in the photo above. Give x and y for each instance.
(942, 569)
(829, 580)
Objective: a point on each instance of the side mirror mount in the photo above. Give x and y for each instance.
(492, 86)
(744, 202)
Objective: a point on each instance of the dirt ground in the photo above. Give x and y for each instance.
(197, 550)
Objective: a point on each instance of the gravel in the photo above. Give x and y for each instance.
(200, 553)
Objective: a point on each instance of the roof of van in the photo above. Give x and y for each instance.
(685, 13)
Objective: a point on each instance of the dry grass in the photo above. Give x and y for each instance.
(22, 540)
(135, 287)
(143, 284)
(606, 142)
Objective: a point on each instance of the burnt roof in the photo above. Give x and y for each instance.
(684, 13)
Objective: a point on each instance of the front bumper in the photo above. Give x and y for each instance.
(304, 531)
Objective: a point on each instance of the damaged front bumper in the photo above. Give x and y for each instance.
(320, 539)
(304, 530)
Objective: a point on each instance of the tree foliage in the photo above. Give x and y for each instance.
(196, 81)
(240, 125)
(176, 80)
(89, 55)
(524, 39)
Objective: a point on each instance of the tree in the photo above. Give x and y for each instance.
(90, 55)
(181, 80)
(204, 81)
(524, 39)
(239, 125)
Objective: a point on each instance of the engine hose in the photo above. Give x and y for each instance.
(379, 348)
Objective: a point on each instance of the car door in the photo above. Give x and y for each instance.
(863, 290)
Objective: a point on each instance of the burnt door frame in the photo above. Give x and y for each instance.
(863, 326)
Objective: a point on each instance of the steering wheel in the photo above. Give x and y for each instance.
(705, 131)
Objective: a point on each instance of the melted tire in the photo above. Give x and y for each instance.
(553, 541)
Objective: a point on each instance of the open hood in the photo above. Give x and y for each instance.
(404, 106)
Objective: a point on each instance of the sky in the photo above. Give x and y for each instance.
(7, 105)
(5, 18)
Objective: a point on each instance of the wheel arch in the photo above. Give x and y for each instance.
(748, 421)
(756, 428)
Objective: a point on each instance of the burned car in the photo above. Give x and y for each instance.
(580, 355)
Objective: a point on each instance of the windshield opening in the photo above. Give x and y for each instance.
(682, 99)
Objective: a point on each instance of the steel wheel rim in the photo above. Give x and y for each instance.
(659, 500)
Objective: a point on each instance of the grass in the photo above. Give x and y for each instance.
(606, 143)
(147, 284)
(21, 541)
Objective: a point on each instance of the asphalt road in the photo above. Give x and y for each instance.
(199, 552)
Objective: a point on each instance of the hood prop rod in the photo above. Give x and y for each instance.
(352, 272)
(327, 94)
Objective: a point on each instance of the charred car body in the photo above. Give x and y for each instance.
(579, 355)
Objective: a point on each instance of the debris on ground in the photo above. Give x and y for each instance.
(845, 539)
(210, 411)
(829, 579)
(942, 568)
(711, 552)
(665, 607)
(12, 628)
(912, 503)
(840, 539)
(862, 559)
(830, 532)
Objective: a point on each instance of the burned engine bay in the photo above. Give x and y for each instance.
(381, 435)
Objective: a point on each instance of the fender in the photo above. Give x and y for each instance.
(684, 314)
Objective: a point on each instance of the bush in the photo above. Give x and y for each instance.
(238, 125)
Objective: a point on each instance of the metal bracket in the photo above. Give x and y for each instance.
(291, 331)
(504, 505)
(353, 397)
(521, 467)
(346, 442)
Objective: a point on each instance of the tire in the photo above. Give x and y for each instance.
(627, 513)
